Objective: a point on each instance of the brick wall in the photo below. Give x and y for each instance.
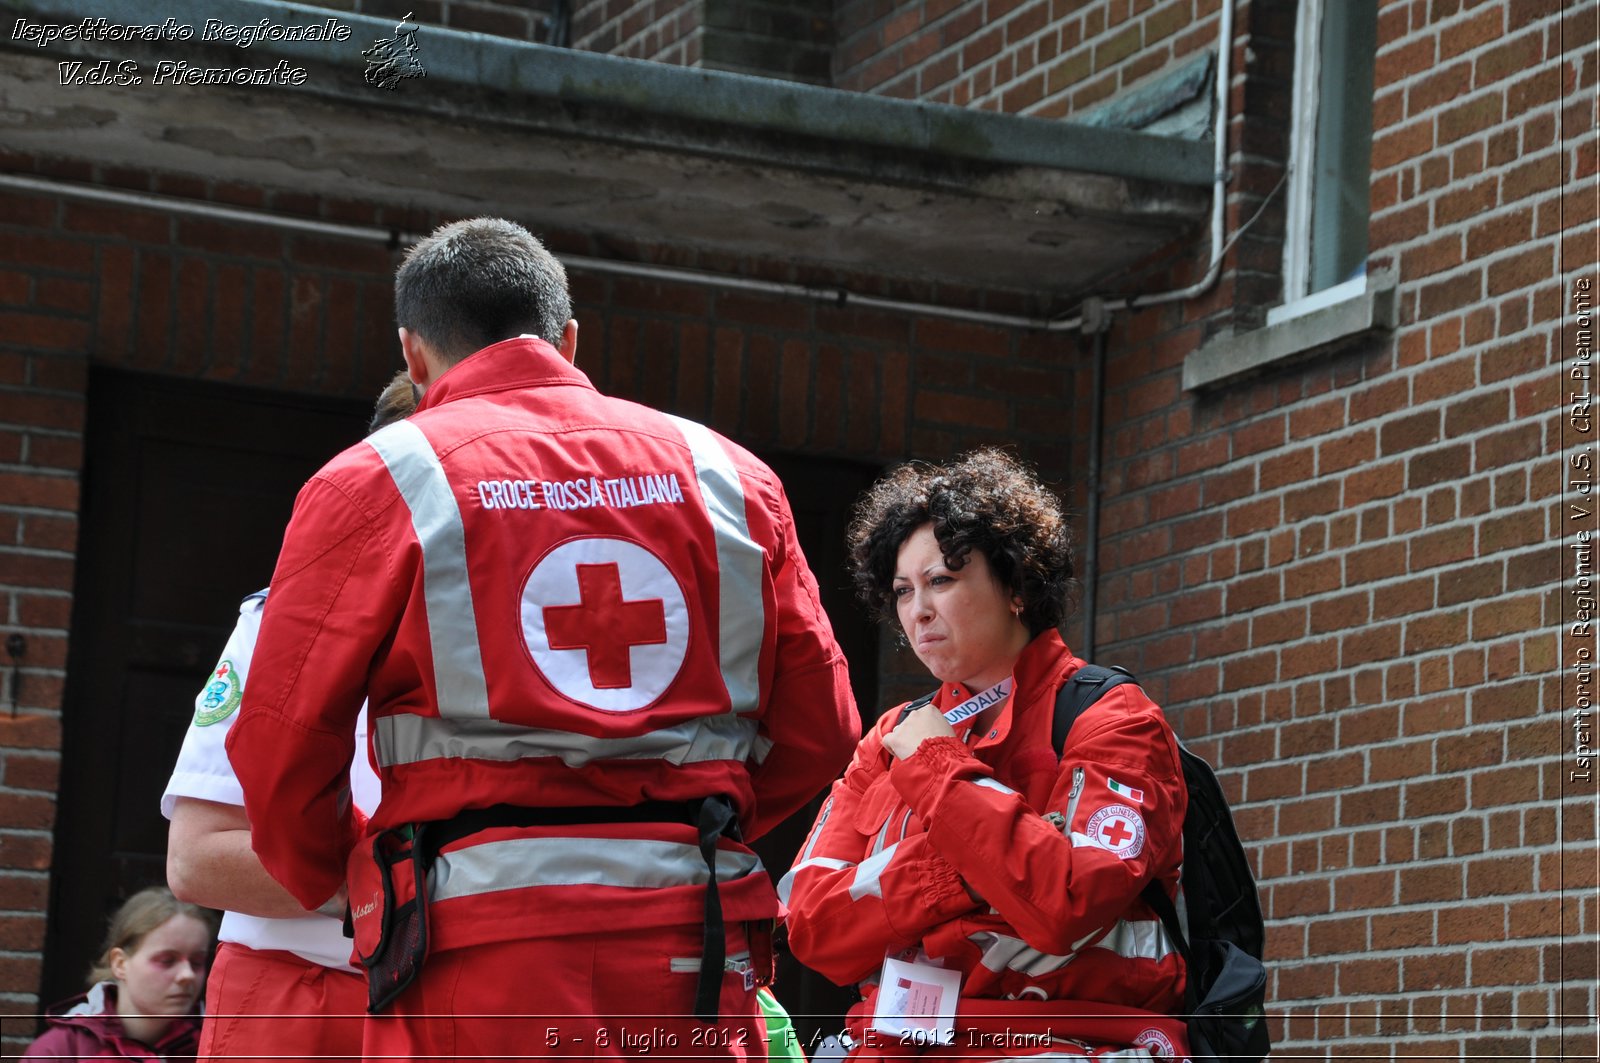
(522, 20)
(1050, 58)
(666, 31)
(1338, 577)
(789, 39)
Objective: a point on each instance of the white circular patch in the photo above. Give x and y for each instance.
(605, 622)
(1118, 829)
(1156, 1042)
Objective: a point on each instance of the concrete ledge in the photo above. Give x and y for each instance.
(627, 152)
(520, 70)
(1232, 356)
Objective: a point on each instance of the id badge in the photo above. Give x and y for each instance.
(917, 1002)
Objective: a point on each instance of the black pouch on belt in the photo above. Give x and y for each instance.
(391, 928)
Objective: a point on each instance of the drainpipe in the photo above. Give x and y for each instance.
(1097, 322)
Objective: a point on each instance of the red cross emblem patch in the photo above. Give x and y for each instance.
(1117, 829)
(605, 621)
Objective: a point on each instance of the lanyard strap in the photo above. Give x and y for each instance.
(980, 701)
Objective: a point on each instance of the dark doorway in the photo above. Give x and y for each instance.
(187, 488)
(821, 493)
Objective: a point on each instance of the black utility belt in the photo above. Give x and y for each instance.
(396, 941)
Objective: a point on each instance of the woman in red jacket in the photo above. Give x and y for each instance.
(982, 891)
(141, 1000)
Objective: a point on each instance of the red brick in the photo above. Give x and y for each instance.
(1520, 270)
(1499, 232)
(70, 296)
(1458, 204)
(1473, 116)
(1536, 175)
(1439, 465)
(1397, 146)
(1478, 30)
(1538, 90)
(1346, 452)
(45, 411)
(49, 252)
(1437, 88)
(1432, 257)
(25, 852)
(1395, 65)
(45, 332)
(794, 392)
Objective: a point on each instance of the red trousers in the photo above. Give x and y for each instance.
(280, 1006)
(601, 996)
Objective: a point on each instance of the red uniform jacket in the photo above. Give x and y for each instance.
(551, 598)
(1058, 848)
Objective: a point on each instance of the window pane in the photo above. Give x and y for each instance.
(1341, 197)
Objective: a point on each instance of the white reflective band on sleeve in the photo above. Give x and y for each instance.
(991, 784)
(866, 881)
(741, 613)
(1002, 952)
(816, 831)
(408, 739)
(786, 884)
(634, 863)
(1145, 939)
(452, 624)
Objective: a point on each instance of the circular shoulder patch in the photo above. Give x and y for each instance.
(1118, 829)
(220, 697)
(1156, 1042)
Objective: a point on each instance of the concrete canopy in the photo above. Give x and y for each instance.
(619, 148)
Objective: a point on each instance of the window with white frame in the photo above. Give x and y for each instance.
(1325, 243)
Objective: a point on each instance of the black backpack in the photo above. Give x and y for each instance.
(1225, 994)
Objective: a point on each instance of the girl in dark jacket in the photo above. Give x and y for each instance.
(141, 1000)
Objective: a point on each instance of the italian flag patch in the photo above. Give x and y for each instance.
(1136, 796)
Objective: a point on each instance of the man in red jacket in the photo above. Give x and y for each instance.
(597, 666)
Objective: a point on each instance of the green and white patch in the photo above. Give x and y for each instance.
(220, 697)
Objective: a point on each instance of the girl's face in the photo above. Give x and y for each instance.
(962, 624)
(163, 974)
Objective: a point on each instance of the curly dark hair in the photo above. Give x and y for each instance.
(987, 500)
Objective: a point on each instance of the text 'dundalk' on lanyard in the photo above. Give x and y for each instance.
(978, 702)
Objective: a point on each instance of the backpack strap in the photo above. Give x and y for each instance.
(1157, 900)
(1087, 685)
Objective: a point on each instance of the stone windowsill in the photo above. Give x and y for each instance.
(1231, 356)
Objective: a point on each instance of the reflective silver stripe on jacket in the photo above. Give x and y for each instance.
(741, 613)
(786, 884)
(1144, 939)
(632, 862)
(408, 739)
(452, 624)
(866, 881)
